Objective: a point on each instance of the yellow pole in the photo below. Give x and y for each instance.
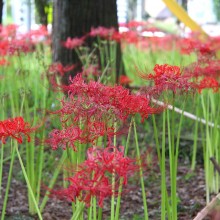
(182, 15)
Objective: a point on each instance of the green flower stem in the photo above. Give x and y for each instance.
(141, 172)
(156, 138)
(162, 163)
(40, 157)
(113, 182)
(30, 164)
(163, 172)
(89, 211)
(195, 140)
(40, 168)
(78, 211)
(2, 149)
(28, 183)
(118, 204)
(8, 182)
(94, 208)
(171, 164)
(99, 213)
(1, 165)
(207, 148)
(53, 180)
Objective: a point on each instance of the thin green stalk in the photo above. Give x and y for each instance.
(41, 150)
(1, 166)
(2, 150)
(8, 182)
(195, 140)
(171, 134)
(156, 138)
(53, 180)
(166, 205)
(78, 211)
(89, 211)
(163, 172)
(40, 168)
(28, 183)
(144, 197)
(94, 209)
(118, 204)
(113, 181)
(30, 164)
(207, 148)
(99, 213)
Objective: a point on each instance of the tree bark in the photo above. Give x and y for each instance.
(40, 6)
(1, 10)
(74, 18)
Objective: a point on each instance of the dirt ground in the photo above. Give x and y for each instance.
(191, 194)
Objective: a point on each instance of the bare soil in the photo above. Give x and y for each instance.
(191, 194)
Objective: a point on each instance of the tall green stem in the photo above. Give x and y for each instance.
(28, 183)
(144, 197)
(8, 182)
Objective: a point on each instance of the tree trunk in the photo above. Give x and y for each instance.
(1, 10)
(74, 18)
(40, 6)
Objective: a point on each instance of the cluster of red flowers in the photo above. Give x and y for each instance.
(13, 43)
(167, 77)
(15, 128)
(205, 71)
(94, 176)
(60, 69)
(96, 106)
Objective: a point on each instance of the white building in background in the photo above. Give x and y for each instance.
(22, 13)
(202, 11)
(122, 11)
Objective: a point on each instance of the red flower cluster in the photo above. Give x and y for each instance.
(208, 82)
(125, 80)
(15, 128)
(59, 68)
(167, 77)
(72, 43)
(94, 176)
(104, 101)
(90, 110)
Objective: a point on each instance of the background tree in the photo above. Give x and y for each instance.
(42, 7)
(1, 10)
(217, 9)
(74, 18)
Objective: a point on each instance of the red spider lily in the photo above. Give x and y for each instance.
(110, 160)
(167, 77)
(205, 50)
(135, 24)
(72, 135)
(91, 70)
(37, 35)
(208, 82)
(20, 46)
(125, 80)
(210, 68)
(93, 177)
(4, 62)
(95, 98)
(65, 137)
(72, 43)
(8, 31)
(59, 68)
(15, 128)
(131, 37)
(102, 32)
(83, 187)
